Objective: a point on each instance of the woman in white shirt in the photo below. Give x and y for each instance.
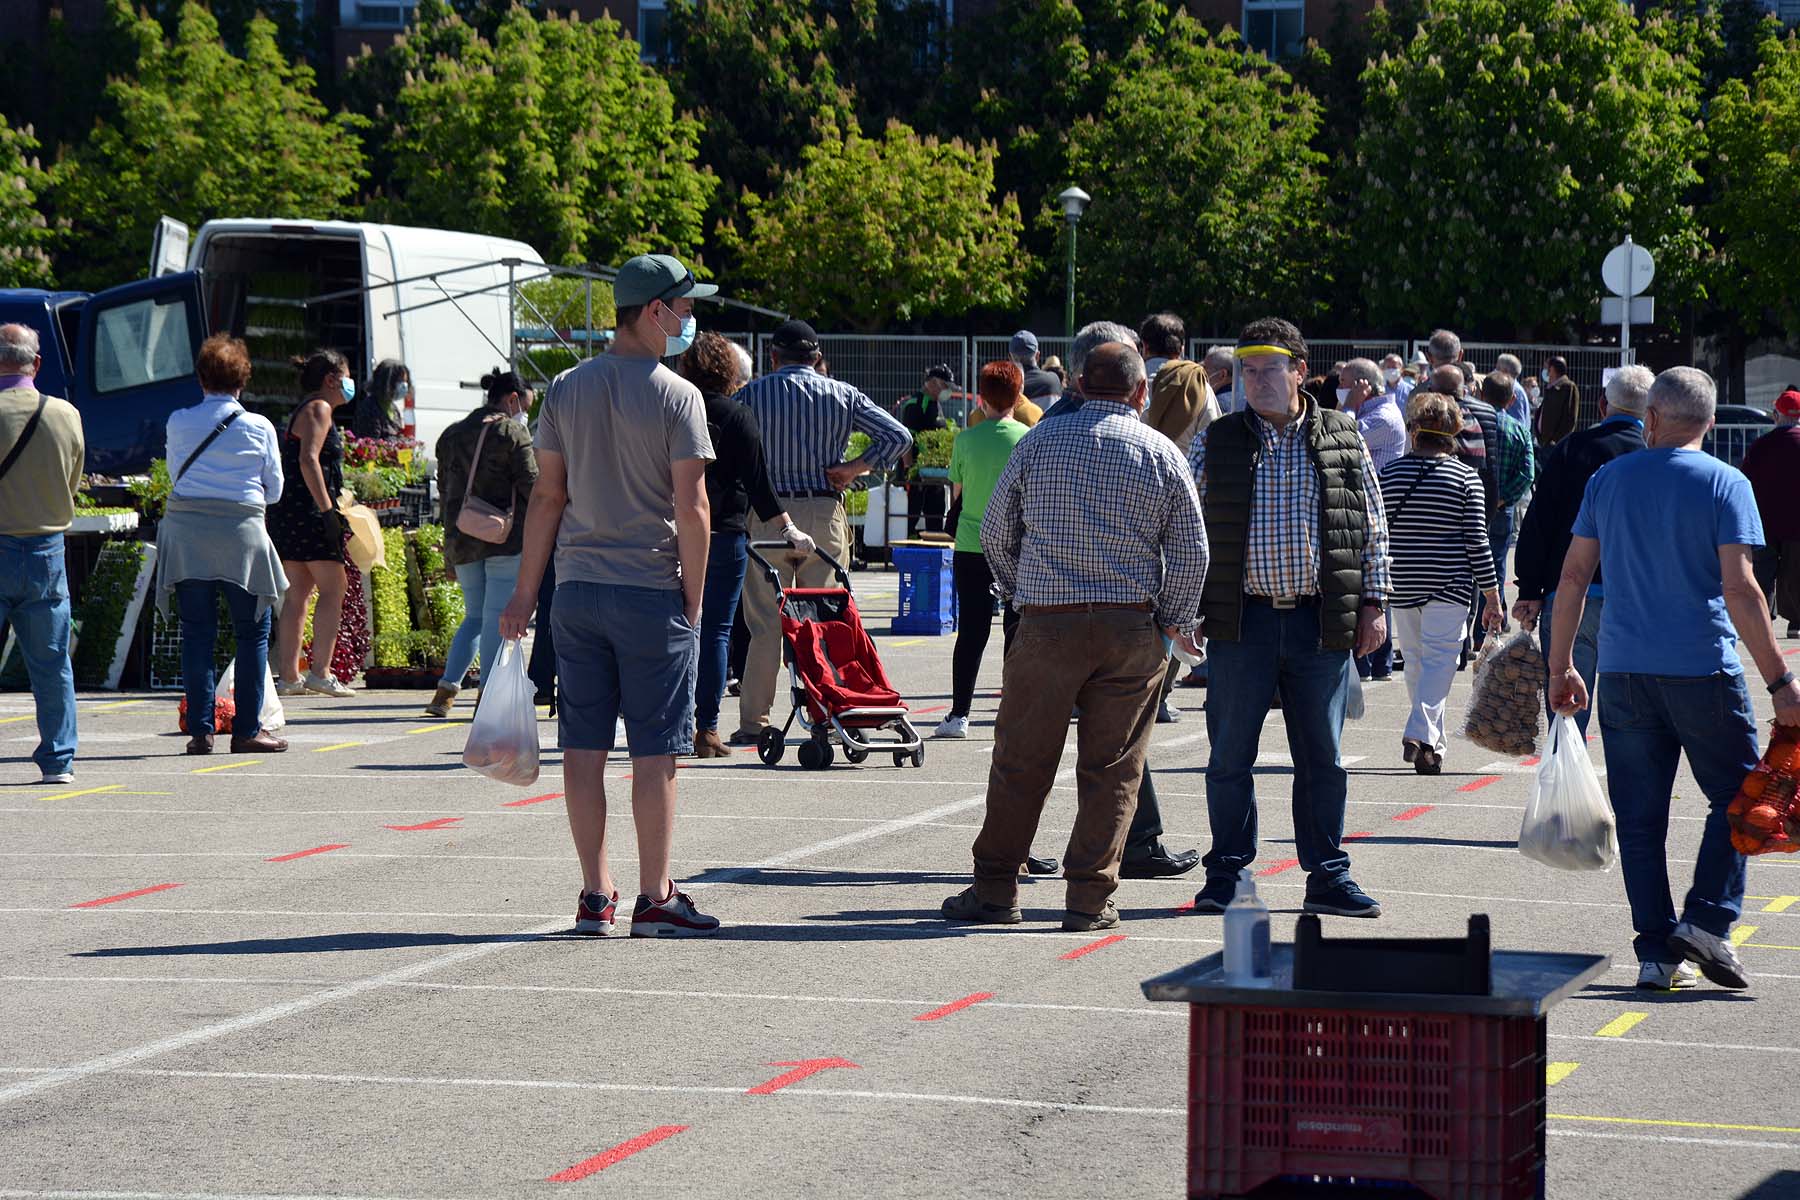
(213, 543)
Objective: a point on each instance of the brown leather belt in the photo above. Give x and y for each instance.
(1044, 610)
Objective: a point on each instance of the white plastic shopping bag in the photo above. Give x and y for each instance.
(503, 738)
(1354, 704)
(273, 716)
(1569, 824)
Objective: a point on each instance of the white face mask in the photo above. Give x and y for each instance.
(1343, 396)
(1392, 374)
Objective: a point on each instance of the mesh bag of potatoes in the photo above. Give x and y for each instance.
(1506, 709)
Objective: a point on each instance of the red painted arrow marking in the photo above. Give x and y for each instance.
(1475, 785)
(921, 712)
(161, 887)
(308, 853)
(440, 823)
(806, 1068)
(618, 1153)
(1103, 943)
(1413, 813)
(532, 800)
(955, 1006)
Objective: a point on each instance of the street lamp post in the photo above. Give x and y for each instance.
(1074, 200)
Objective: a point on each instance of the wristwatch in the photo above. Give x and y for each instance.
(1787, 677)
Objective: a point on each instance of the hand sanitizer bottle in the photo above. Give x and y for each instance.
(1247, 937)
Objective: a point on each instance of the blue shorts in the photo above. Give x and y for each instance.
(624, 652)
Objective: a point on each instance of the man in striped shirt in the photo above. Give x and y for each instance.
(1093, 533)
(806, 419)
(1299, 579)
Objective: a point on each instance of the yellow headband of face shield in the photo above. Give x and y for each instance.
(1247, 351)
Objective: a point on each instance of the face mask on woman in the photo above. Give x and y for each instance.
(1392, 375)
(347, 385)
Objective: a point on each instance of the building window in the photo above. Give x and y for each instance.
(1275, 27)
(653, 30)
(383, 16)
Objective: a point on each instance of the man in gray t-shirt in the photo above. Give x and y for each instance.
(622, 450)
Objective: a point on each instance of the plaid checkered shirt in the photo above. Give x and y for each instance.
(1283, 557)
(1097, 508)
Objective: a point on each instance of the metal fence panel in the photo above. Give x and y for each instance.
(1327, 352)
(984, 350)
(1730, 442)
(886, 368)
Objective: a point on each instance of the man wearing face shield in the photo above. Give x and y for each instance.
(1299, 576)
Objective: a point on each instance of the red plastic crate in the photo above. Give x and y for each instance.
(1450, 1103)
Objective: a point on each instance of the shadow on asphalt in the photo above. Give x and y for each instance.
(1782, 1185)
(1706, 993)
(798, 877)
(324, 943)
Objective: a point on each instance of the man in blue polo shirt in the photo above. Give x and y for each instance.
(1674, 529)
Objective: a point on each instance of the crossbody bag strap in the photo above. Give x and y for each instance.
(12, 456)
(1423, 476)
(475, 460)
(208, 440)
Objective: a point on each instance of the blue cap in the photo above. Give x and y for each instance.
(656, 277)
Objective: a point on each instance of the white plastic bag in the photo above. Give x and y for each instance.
(273, 716)
(1569, 824)
(503, 738)
(1354, 704)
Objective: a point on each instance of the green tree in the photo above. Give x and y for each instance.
(1755, 131)
(25, 236)
(198, 133)
(869, 231)
(553, 133)
(1206, 188)
(1510, 145)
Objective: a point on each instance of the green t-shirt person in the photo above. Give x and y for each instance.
(977, 457)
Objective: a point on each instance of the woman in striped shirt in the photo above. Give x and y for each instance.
(1437, 526)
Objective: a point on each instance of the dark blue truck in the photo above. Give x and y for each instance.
(124, 357)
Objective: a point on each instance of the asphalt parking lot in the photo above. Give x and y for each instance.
(342, 972)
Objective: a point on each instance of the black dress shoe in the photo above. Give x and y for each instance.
(200, 743)
(1041, 866)
(1160, 863)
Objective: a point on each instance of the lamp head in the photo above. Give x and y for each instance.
(1074, 200)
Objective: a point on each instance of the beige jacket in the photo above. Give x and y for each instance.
(37, 496)
(1182, 403)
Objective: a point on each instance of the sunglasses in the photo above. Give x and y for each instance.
(676, 289)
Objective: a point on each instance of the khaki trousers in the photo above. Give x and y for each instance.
(823, 518)
(1110, 662)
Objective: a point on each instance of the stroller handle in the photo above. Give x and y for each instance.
(774, 577)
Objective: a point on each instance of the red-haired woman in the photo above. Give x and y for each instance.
(212, 542)
(977, 457)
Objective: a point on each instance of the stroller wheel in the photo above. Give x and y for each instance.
(854, 755)
(918, 757)
(770, 746)
(815, 755)
(899, 758)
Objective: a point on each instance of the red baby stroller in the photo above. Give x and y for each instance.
(840, 692)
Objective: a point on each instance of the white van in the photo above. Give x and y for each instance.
(435, 299)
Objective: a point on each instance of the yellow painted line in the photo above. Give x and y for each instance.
(111, 787)
(1621, 1025)
(1767, 946)
(1673, 1124)
(1742, 934)
(143, 793)
(16, 720)
(908, 642)
(117, 704)
(1781, 903)
(435, 728)
(232, 766)
(339, 746)
(1555, 1073)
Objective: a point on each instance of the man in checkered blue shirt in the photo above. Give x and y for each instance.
(1094, 534)
(1299, 577)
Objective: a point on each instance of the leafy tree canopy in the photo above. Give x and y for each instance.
(25, 236)
(870, 231)
(1755, 132)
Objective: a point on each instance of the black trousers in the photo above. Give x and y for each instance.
(974, 623)
(542, 666)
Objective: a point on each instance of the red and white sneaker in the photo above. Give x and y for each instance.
(596, 913)
(674, 917)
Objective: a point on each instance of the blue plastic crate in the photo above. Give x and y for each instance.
(927, 590)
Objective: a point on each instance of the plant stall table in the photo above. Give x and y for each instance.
(1341, 1089)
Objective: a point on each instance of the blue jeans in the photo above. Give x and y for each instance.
(487, 584)
(198, 601)
(34, 598)
(1278, 651)
(1586, 654)
(1500, 531)
(725, 564)
(1649, 722)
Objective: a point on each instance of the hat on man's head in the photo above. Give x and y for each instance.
(794, 335)
(656, 277)
(1788, 403)
(1024, 342)
(940, 371)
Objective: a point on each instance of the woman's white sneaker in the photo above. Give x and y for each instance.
(952, 727)
(327, 686)
(1667, 977)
